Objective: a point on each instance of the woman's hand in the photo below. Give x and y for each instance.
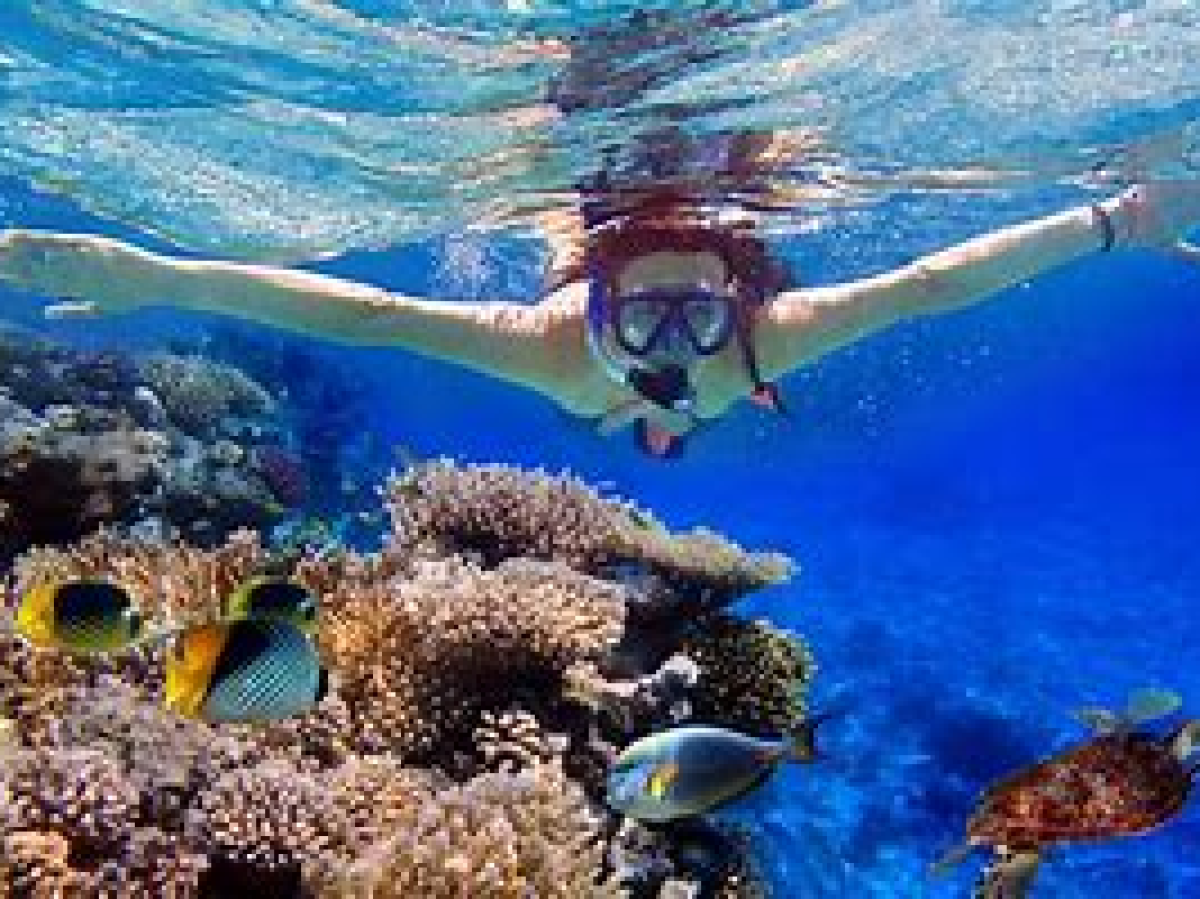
(1158, 215)
(96, 274)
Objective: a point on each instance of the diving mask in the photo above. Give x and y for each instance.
(647, 321)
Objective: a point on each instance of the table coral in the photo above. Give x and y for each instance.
(494, 512)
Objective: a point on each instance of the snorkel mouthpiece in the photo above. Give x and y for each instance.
(668, 386)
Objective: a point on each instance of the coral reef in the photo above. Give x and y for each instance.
(201, 396)
(482, 680)
(753, 676)
(164, 444)
(495, 512)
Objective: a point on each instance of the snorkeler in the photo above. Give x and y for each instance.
(663, 304)
(665, 319)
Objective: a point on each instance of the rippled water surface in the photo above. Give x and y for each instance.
(295, 128)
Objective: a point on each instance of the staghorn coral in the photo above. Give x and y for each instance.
(510, 741)
(753, 676)
(419, 660)
(259, 825)
(495, 512)
(477, 700)
(80, 794)
(501, 836)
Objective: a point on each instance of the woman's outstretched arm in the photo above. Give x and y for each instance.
(505, 340)
(802, 325)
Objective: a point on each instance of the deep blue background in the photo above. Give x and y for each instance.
(995, 514)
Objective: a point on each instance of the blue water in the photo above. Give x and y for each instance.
(996, 513)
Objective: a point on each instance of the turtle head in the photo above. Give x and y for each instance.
(1185, 741)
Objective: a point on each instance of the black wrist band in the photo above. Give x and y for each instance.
(1106, 227)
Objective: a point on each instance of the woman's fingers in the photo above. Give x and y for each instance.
(71, 309)
(1187, 251)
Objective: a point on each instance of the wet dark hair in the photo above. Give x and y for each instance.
(621, 229)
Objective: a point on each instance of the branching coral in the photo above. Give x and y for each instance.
(259, 825)
(483, 675)
(69, 826)
(501, 836)
(420, 659)
(170, 581)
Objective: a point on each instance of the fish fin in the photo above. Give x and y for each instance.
(1098, 720)
(35, 614)
(1150, 703)
(661, 778)
(1009, 876)
(802, 741)
(1186, 741)
(952, 858)
(137, 624)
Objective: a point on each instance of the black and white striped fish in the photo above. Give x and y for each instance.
(252, 669)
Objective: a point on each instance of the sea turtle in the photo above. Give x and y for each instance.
(1123, 781)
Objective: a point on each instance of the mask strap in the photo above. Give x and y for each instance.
(765, 393)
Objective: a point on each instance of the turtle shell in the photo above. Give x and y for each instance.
(1115, 785)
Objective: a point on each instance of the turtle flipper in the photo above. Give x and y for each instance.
(1186, 740)
(1097, 720)
(1009, 876)
(1150, 704)
(1146, 704)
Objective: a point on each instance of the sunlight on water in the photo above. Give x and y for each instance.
(302, 128)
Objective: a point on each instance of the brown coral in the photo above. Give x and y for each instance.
(419, 660)
(753, 676)
(81, 795)
(499, 836)
(172, 582)
(488, 645)
(258, 826)
(56, 485)
(496, 512)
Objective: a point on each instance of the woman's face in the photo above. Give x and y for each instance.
(695, 327)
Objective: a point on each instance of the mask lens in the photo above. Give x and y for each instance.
(709, 321)
(638, 320)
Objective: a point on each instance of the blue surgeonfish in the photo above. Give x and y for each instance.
(689, 771)
(253, 669)
(79, 616)
(273, 597)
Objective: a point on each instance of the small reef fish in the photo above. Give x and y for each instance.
(253, 669)
(275, 598)
(79, 616)
(689, 771)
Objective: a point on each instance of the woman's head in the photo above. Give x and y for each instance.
(664, 298)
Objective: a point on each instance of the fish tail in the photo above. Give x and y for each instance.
(951, 858)
(802, 741)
